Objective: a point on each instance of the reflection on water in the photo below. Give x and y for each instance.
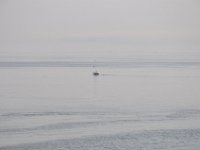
(123, 108)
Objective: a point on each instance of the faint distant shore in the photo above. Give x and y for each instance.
(99, 64)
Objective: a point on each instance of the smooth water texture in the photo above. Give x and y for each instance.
(67, 108)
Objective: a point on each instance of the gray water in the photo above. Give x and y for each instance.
(140, 107)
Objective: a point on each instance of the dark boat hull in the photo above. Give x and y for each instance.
(95, 73)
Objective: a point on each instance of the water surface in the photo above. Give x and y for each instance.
(148, 107)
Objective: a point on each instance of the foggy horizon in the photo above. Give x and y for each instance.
(49, 29)
(99, 74)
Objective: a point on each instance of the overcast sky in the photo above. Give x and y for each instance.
(99, 28)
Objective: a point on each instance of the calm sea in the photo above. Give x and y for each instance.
(129, 106)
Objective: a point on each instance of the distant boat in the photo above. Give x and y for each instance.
(95, 73)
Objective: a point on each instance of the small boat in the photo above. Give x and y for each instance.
(95, 73)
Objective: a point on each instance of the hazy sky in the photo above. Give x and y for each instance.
(99, 28)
